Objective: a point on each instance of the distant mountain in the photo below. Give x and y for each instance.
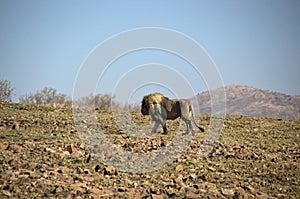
(243, 100)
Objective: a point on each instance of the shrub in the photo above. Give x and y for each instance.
(45, 96)
(5, 90)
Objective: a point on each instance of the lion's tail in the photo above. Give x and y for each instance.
(200, 128)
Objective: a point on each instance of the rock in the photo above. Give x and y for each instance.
(240, 193)
(88, 159)
(156, 196)
(16, 126)
(280, 195)
(97, 168)
(211, 169)
(227, 192)
(49, 150)
(191, 194)
(79, 187)
(79, 170)
(6, 193)
(58, 189)
(71, 149)
(86, 171)
(96, 191)
(179, 167)
(182, 190)
(110, 171)
(202, 191)
(171, 192)
(155, 190)
(2, 147)
(262, 195)
(15, 147)
(81, 146)
(64, 154)
(193, 176)
(121, 189)
(250, 189)
(2, 126)
(212, 191)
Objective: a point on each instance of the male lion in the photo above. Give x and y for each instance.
(161, 108)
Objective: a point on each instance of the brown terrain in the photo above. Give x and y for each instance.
(42, 156)
(247, 101)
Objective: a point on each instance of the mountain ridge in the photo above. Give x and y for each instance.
(249, 101)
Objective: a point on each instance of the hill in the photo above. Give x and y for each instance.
(42, 156)
(247, 101)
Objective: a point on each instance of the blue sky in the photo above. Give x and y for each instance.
(253, 43)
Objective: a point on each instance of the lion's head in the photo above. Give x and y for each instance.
(150, 100)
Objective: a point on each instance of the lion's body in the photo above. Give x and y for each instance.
(161, 108)
(175, 111)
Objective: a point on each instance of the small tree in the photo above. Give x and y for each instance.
(100, 101)
(45, 96)
(48, 95)
(5, 90)
(27, 99)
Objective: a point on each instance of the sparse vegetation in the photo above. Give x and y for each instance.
(41, 155)
(45, 96)
(105, 102)
(5, 90)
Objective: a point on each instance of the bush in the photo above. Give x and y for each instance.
(45, 96)
(101, 102)
(106, 102)
(5, 90)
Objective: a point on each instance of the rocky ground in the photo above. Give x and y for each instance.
(41, 155)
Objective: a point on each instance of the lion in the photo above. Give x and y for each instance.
(161, 108)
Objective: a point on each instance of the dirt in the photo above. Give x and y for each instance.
(41, 155)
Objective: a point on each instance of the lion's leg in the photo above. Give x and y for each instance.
(164, 125)
(163, 120)
(189, 125)
(155, 127)
(193, 129)
(158, 116)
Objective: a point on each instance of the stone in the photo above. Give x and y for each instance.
(95, 191)
(227, 192)
(15, 147)
(156, 196)
(121, 189)
(16, 126)
(49, 150)
(240, 193)
(193, 176)
(71, 149)
(211, 169)
(97, 168)
(86, 171)
(179, 167)
(6, 193)
(262, 195)
(109, 171)
(250, 189)
(280, 195)
(191, 194)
